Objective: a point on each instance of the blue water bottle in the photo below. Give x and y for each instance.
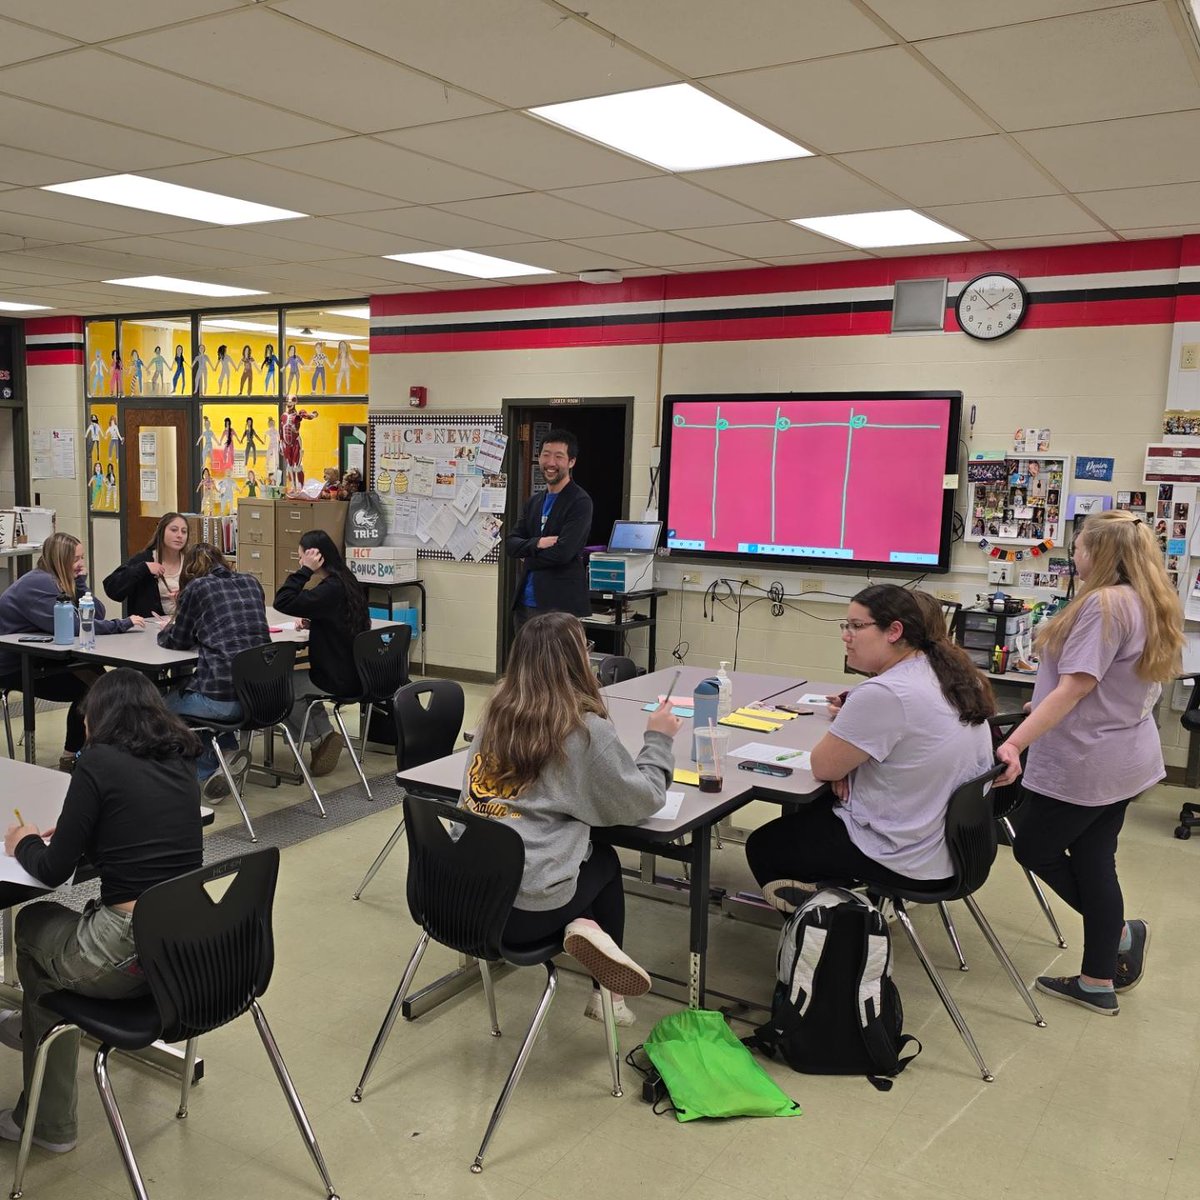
(87, 622)
(64, 621)
(705, 700)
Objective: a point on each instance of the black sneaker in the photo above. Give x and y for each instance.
(1132, 962)
(1066, 987)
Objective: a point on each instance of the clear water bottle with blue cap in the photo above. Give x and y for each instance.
(87, 622)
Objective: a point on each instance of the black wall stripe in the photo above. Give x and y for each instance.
(34, 347)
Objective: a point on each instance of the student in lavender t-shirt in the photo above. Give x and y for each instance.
(901, 743)
(1094, 746)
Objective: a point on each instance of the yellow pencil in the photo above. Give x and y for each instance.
(17, 814)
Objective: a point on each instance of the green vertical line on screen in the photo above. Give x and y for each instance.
(774, 450)
(846, 478)
(716, 449)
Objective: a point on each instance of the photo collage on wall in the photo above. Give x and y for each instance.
(1025, 505)
(1172, 520)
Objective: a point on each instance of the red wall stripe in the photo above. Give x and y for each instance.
(45, 325)
(54, 358)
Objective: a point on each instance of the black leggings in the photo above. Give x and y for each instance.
(67, 687)
(1074, 849)
(598, 895)
(812, 845)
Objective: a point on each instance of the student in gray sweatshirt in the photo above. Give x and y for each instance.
(548, 759)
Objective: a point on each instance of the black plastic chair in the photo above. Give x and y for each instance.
(262, 682)
(615, 668)
(461, 893)
(971, 840)
(12, 750)
(1189, 813)
(381, 659)
(423, 733)
(206, 963)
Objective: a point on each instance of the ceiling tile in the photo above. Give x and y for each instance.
(1136, 235)
(1090, 67)
(789, 260)
(663, 203)
(558, 256)
(543, 216)
(82, 82)
(324, 231)
(227, 51)
(800, 187)
(1135, 208)
(735, 37)
(916, 19)
(391, 171)
(432, 226)
(101, 217)
(957, 172)
(35, 261)
(762, 239)
(1053, 239)
(49, 131)
(517, 52)
(21, 168)
(523, 149)
(653, 249)
(47, 229)
(1133, 152)
(1015, 218)
(179, 254)
(258, 242)
(19, 42)
(940, 248)
(87, 21)
(730, 264)
(868, 111)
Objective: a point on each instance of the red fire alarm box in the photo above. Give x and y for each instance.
(416, 397)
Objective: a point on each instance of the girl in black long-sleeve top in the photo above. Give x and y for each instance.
(148, 583)
(335, 611)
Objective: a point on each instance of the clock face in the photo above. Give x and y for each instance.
(989, 306)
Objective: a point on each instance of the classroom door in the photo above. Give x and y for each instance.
(156, 460)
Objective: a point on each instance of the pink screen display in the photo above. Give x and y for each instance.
(856, 479)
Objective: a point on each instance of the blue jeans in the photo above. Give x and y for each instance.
(196, 704)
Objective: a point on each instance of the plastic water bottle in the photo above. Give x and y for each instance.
(87, 622)
(724, 692)
(64, 621)
(705, 700)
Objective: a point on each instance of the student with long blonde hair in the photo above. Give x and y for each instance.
(27, 606)
(548, 759)
(1093, 743)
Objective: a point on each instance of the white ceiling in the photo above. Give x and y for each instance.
(397, 125)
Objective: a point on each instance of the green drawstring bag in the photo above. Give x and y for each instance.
(709, 1073)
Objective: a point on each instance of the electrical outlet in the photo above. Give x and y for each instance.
(752, 580)
(1189, 357)
(689, 577)
(1001, 572)
(949, 594)
(812, 585)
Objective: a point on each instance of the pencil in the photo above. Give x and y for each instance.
(17, 814)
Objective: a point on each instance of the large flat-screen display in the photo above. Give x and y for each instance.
(857, 479)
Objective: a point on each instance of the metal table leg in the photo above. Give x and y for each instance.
(28, 707)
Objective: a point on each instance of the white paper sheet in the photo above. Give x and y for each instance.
(443, 525)
(405, 511)
(670, 807)
(495, 491)
(462, 541)
(812, 698)
(784, 755)
(445, 482)
(489, 457)
(420, 478)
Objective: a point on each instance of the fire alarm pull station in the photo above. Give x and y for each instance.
(417, 397)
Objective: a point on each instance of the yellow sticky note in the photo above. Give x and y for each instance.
(767, 714)
(692, 777)
(740, 722)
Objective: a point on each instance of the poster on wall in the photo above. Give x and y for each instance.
(1025, 505)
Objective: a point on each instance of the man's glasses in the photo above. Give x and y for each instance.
(854, 626)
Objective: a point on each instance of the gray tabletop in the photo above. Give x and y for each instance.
(748, 688)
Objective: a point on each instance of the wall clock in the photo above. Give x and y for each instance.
(991, 306)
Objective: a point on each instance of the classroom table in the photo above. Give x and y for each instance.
(748, 688)
(698, 814)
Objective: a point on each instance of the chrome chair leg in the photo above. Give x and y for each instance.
(12, 752)
(489, 990)
(952, 933)
(943, 994)
(189, 1067)
(312, 787)
(292, 1097)
(233, 787)
(518, 1067)
(113, 1113)
(365, 716)
(610, 1040)
(387, 849)
(32, 1100)
(1036, 885)
(337, 716)
(1006, 962)
(410, 971)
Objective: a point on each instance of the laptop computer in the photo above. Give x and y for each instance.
(634, 537)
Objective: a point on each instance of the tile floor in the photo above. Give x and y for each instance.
(1089, 1107)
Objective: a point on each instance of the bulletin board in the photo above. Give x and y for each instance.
(443, 483)
(1019, 502)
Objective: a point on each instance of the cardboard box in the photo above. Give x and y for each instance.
(380, 553)
(384, 570)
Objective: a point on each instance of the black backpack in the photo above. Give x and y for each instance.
(836, 1010)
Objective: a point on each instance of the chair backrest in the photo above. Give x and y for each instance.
(381, 656)
(262, 681)
(971, 831)
(461, 890)
(425, 733)
(1007, 799)
(206, 960)
(615, 668)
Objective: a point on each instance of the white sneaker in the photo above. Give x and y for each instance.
(10, 1131)
(787, 895)
(622, 1013)
(605, 961)
(10, 1029)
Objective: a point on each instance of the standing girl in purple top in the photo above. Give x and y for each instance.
(1094, 746)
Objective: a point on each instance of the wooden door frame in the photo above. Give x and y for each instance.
(184, 404)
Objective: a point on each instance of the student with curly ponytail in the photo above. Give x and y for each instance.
(898, 747)
(1094, 746)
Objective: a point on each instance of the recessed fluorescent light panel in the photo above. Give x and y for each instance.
(328, 335)
(360, 312)
(189, 287)
(897, 227)
(467, 262)
(13, 306)
(678, 128)
(152, 195)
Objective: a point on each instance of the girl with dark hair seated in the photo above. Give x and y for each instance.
(133, 812)
(148, 583)
(899, 745)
